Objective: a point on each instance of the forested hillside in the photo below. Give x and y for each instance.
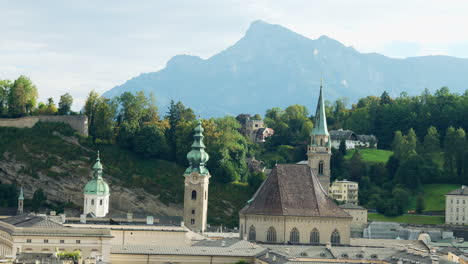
(144, 148)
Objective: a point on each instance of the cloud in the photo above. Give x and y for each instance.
(83, 45)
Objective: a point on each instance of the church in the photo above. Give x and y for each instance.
(292, 205)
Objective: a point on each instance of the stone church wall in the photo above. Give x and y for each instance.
(77, 122)
(284, 225)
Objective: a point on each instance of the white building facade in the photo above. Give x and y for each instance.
(456, 207)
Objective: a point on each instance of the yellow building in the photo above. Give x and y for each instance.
(344, 191)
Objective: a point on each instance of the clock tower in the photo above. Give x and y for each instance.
(196, 184)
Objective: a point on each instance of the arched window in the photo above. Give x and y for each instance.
(321, 142)
(315, 237)
(271, 234)
(92, 201)
(194, 195)
(252, 234)
(294, 236)
(335, 237)
(100, 202)
(320, 168)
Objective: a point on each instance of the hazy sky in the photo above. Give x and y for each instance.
(77, 46)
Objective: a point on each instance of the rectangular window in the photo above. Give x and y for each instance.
(192, 221)
(46, 241)
(62, 241)
(28, 241)
(193, 211)
(78, 241)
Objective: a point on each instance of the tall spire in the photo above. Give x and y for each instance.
(320, 121)
(21, 195)
(197, 157)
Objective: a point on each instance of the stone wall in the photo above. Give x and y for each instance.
(77, 122)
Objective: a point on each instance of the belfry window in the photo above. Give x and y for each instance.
(315, 237)
(320, 168)
(294, 236)
(321, 142)
(271, 234)
(335, 237)
(92, 201)
(100, 202)
(194, 195)
(252, 234)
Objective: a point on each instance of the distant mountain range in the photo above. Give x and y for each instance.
(272, 66)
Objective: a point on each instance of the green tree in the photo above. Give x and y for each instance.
(104, 124)
(256, 179)
(357, 167)
(39, 200)
(90, 108)
(342, 147)
(419, 204)
(180, 119)
(150, 141)
(22, 97)
(65, 104)
(431, 143)
(5, 86)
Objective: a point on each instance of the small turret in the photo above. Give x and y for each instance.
(97, 192)
(21, 202)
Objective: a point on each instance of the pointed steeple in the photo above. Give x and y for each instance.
(21, 195)
(320, 120)
(197, 157)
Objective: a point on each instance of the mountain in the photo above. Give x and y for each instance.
(273, 66)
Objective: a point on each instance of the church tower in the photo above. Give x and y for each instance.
(196, 184)
(96, 193)
(319, 149)
(21, 202)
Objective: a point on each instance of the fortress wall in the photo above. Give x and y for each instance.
(22, 122)
(77, 122)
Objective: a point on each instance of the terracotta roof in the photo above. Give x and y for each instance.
(460, 191)
(292, 189)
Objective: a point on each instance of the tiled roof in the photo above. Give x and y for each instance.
(351, 206)
(28, 220)
(243, 250)
(292, 189)
(460, 191)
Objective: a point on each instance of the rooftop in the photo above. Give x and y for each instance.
(460, 191)
(351, 206)
(292, 189)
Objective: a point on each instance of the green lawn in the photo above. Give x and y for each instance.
(434, 196)
(371, 155)
(409, 219)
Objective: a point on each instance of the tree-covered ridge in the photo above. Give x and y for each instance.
(19, 98)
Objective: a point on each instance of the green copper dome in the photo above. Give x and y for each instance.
(97, 185)
(21, 196)
(197, 157)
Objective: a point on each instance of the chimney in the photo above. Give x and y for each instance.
(273, 258)
(328, 246)
(83, 218)
(129, 217)
(182, 223)
(53, 213)
(149, 220)
(223, 243)
(267, 255)
(63, 218)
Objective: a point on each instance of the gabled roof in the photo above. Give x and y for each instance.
(292, 189)
(367, 138)
(27, 220)
(343, 135)
(460, 191)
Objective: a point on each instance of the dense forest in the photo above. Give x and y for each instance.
(426, 134)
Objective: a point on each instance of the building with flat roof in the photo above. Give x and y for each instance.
(344, 191)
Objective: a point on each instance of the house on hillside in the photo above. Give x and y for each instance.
(352, 140)
(255, 130)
